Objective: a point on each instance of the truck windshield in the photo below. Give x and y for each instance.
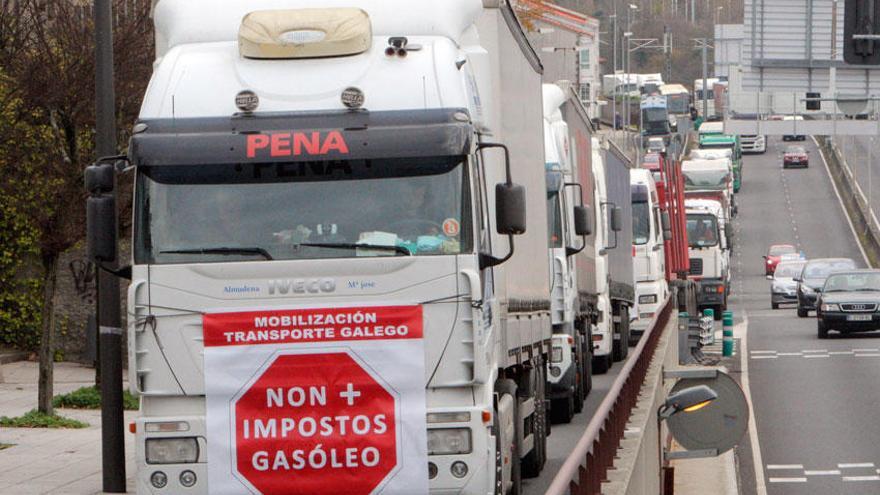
(678, 104)
(702, 230)
(705, 179)
(302, 210)
(641, 223)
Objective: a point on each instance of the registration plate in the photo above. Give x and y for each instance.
(858, 317)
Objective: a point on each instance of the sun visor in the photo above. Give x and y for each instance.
(304, 33)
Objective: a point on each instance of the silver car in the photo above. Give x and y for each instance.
(783, 288)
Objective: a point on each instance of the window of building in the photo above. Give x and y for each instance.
(585, 60)
(585, 93)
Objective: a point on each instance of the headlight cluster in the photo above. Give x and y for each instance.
(446, 441)
(830, 307)
(178, 450)
(648, 299)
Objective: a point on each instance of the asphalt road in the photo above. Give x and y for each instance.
(814, 400)
(564, 436)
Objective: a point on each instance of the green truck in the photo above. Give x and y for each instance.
(726, 141)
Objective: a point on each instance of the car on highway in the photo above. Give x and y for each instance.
(774, 256)
(811, 279)
(783, 288)
(656, 145)
(849, 303)
(795, 156)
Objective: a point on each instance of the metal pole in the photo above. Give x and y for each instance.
(109, 321)
(705, 82)
(614, 72)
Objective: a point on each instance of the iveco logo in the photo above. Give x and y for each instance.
(302, 286)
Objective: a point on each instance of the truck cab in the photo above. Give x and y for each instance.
(291, 159)
(648, 249)
(710, 179)
(731, 142)
(709, 252)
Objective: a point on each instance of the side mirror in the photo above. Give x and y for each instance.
(797, 278)
(101, 228)
(510, 209)
(583, 221)
(616, 219)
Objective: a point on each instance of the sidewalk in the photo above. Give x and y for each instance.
(52, 461)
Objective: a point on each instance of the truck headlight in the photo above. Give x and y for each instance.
(179, 450)
(446, 441)
(830, 307)
(648, 299)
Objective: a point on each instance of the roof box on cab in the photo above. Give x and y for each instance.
(304, 33)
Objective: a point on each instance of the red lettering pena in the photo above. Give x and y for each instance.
(283, 144)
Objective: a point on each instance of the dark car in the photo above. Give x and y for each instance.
(783, 288)
(849, 302)
(795, 156)
(812, 278)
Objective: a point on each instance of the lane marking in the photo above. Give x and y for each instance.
(850, 465)
(788, 480)
(830, 472)
(864, 350)
(771, 467)
(867, 355)
(815, 351)
(763, 352)
(789, 354)
(817, 356)
(862, 478)
(757, 460)
(852, 228)
(840, 353)
(765, 357)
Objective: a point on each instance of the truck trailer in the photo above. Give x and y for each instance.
(330, 232)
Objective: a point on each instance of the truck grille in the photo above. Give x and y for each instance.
(696, 266)
(858, 307)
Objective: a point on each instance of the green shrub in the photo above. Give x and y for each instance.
(36, 419)
(90, 398)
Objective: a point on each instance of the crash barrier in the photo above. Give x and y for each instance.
(584, 471)
(693, 334)
(855, 202)
(727, 342)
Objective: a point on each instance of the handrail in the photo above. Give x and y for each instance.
(584, 470)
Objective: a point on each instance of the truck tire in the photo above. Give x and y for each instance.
(508, 387)
(801, 312)
(530, 386)
(601, 364)
(563, 409)
(620, 349)
(822, 329)
(587, 366)
(579, 375)
(718, 312)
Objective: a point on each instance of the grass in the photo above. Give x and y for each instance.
(36, 419)
(90, 398)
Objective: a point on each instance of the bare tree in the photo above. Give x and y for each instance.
(47, 63)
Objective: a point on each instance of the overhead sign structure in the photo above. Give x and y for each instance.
(316, 401)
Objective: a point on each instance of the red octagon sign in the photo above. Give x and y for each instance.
(315, 424)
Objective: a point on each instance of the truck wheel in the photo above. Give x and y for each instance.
(801, 312)
(579, 376)
(508, 387)
(823, 330)
(563, 409)
(774, 305)
(601, 364)
(533, 462)
(587, 366)
(620, 350)
(718, 311)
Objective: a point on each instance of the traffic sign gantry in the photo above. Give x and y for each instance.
(316, 424)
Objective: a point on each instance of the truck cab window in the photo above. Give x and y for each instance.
(303, 210)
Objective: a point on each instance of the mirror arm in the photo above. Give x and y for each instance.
(488, 261)
(570, 251)
(123, 272)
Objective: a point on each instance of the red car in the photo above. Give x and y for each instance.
(774, 255)
(795, 156)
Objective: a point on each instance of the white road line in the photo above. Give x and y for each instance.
(840, 201)
(757, 460)
(851, 465)
(765, 357)
(789, 354)
(763, 352)
(840, 353)
(773, 467)
(830, 472)
(864, 350)
(817, 356)
(815, 351)
(861, 478)
(788, 480)
(867, 355)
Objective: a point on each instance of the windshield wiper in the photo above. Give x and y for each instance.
(222, 250)
(351, 245)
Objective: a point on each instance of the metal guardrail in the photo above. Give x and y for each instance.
(587, 467)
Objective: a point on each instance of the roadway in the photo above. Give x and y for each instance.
(812, 398)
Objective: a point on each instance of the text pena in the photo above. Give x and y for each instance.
(294, 143)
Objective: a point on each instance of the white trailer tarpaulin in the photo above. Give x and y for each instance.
(316, 401)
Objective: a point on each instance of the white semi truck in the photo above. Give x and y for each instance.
(567, 133)
(288, 158)
(649, 260)
(709, 250)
